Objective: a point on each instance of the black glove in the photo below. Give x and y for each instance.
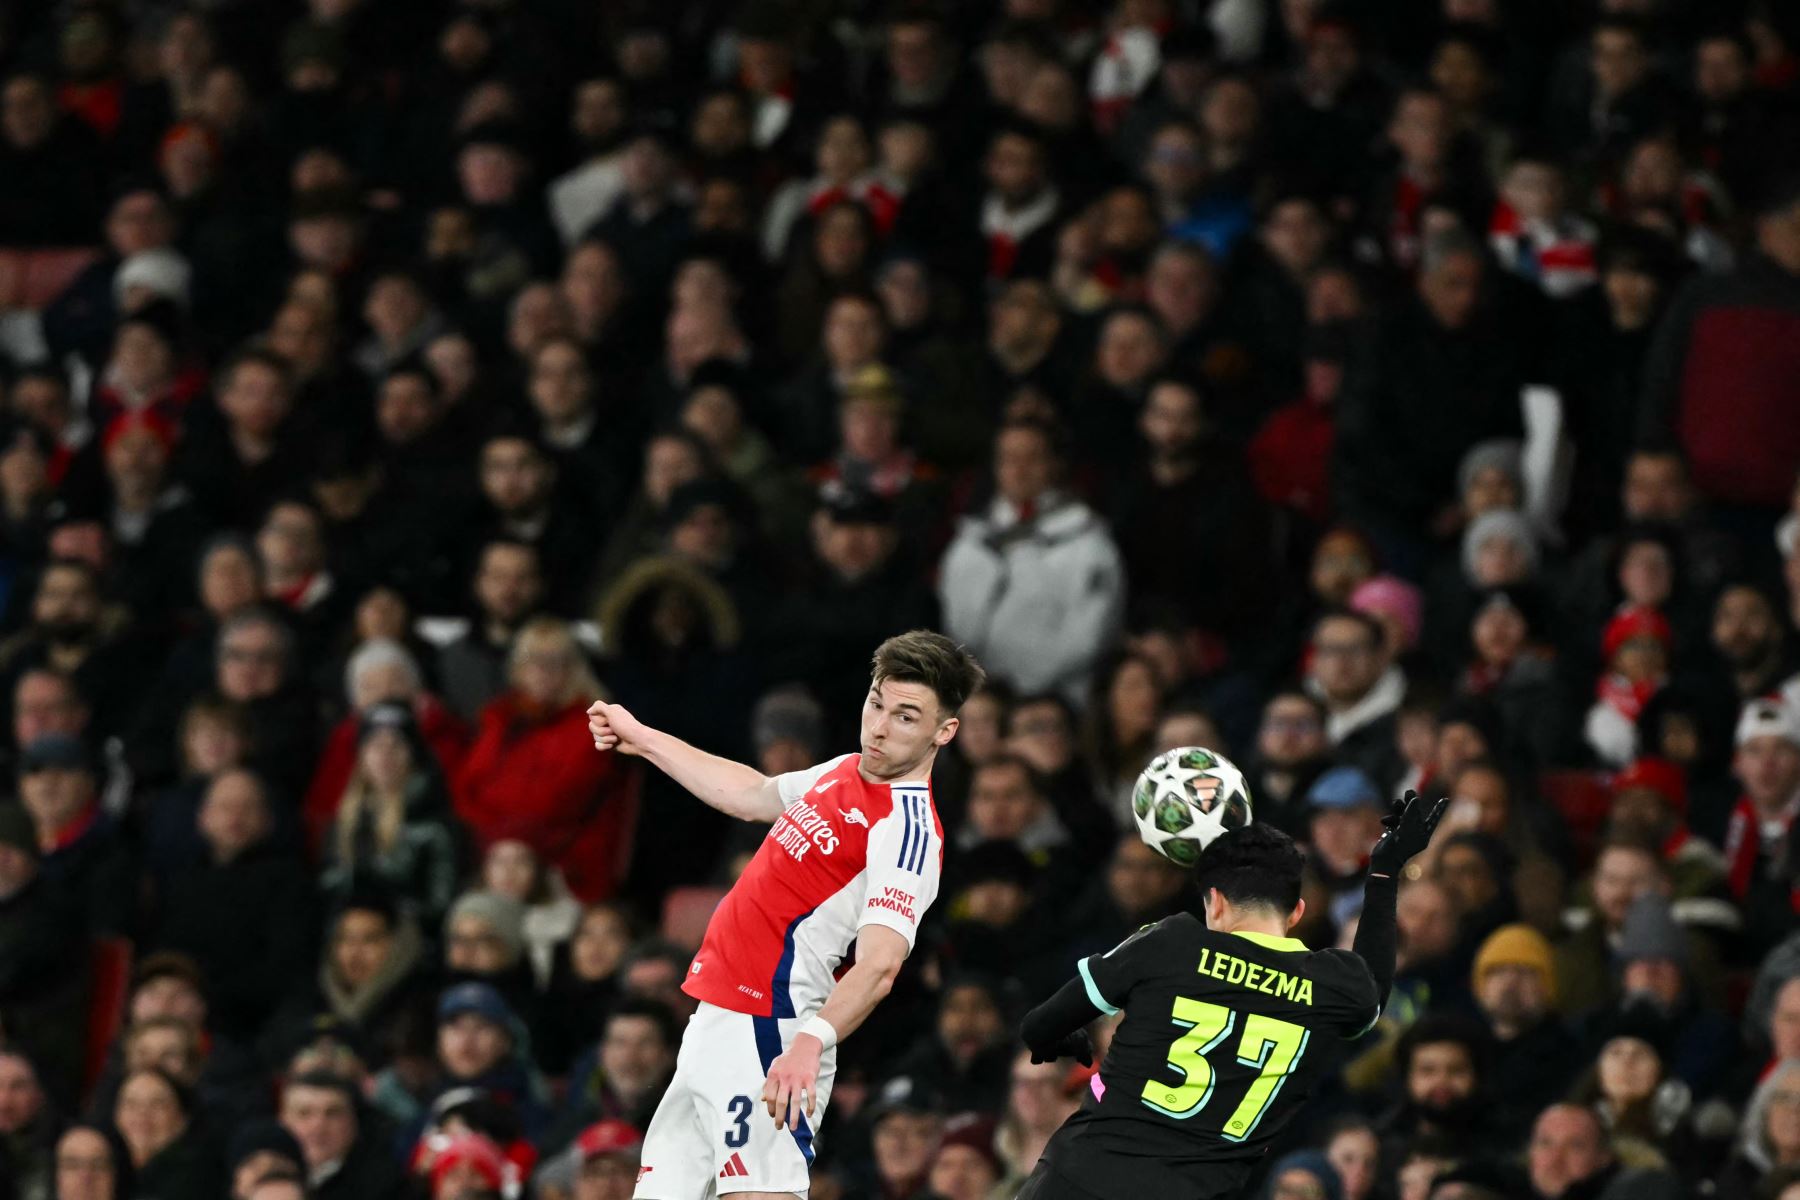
(1075, 1045)
(1406, 830)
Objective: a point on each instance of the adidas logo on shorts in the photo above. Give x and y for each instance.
(734, 1168)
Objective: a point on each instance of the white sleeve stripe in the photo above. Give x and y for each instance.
(924, 843)
(918, 834)
(906, 832)
(915, 835)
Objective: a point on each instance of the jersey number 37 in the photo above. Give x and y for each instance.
(1270, 1045)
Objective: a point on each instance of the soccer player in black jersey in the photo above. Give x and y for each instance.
(1225, 1022)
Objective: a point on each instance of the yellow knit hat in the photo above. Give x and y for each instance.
(1517, 945)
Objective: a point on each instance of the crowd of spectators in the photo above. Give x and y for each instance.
(1394, 394)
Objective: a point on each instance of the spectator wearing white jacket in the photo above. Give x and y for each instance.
(1034, 586)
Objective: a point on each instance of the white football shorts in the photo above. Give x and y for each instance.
(712, 1133)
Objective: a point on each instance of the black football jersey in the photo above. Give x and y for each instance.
(1223, 1038)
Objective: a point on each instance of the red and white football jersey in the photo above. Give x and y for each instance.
(843, 854)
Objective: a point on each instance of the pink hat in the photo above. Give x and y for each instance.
(1388, 596)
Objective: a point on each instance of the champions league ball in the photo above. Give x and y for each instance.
(1187, 797)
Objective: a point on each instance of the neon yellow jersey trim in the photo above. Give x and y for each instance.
(1271, 942)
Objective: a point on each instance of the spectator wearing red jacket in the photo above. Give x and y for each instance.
(532, 775)
(1724, 372)
(1290, 457)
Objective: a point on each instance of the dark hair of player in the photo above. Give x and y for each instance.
(1254, 866)
(932, 659)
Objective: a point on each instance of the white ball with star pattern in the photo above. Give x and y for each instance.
(1187, 797)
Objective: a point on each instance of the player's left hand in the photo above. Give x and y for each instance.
(793, 1082)
(1406, 831)
(1077, 1046)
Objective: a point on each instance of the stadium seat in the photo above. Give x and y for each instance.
(109, 982)
(12, 277)
(47, 272)
(686, 912)
(1584, 800)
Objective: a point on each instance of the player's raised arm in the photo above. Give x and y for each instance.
(731, 787)
(1407, 831)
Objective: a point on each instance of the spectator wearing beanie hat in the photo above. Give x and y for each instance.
(1491, 478)
(1646, 1109)
(1514, 984)
(156, 532)
(393, 827)
(1759, 834)
(256, 1148)
(1666, 967)
(1398, 605)
(1499, 548)
(159, 273)
(787, 728)
(966, 1166)
(1771, 1025)
(1636, 647)
(1650, 803)
(480, 1044)
(484, 941)
(461, 1111)
(1303, 1173)
(600, 1164)
(380, 670)
(905, 1119)
(1626, 869)
(469, 1160)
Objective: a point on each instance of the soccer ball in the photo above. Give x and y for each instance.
(1187, 797)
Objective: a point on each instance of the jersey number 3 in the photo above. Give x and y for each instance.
(1270, 1045)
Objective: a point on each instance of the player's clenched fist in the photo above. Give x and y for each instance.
(793, 1082)
(613, 728)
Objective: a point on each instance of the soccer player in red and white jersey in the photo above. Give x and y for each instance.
(853, 855)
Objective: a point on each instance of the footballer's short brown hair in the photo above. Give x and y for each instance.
(922, 656)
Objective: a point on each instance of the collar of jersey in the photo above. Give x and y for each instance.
(1269, 940)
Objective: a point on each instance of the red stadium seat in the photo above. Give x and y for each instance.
(47, 272)
(1583, 799)
(624, 826)
(12, 277)
(109, 982)
(686, 912)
